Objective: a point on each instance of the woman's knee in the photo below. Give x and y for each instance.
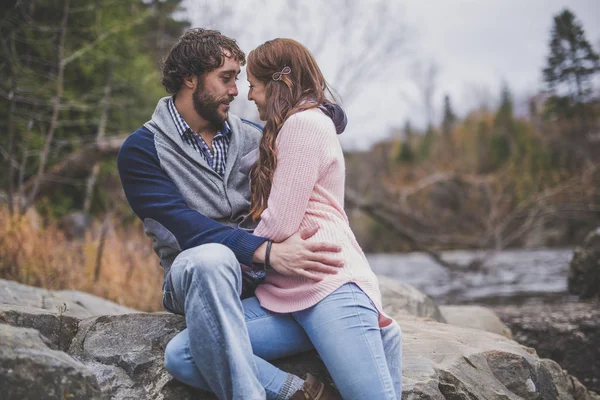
(177, 354)
(180, 364)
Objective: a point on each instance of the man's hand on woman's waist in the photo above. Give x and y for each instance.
(295, 256)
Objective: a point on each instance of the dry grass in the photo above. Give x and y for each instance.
(129, 272)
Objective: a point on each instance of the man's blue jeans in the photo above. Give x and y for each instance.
(228, 342)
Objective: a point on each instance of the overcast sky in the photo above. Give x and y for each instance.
(477, 45)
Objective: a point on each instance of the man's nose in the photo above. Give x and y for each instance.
(233, 90)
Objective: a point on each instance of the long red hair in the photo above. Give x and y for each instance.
(302, 89)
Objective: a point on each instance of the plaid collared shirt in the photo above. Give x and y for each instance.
(218, 157)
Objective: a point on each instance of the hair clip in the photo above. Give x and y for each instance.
(278, 75)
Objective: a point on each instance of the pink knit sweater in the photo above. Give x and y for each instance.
(308, 190)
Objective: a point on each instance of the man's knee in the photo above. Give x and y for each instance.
(208, 260)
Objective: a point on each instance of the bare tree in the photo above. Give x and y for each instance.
(55, 109)
(424, 76)
(484, 215)
(478, 96)
(91, 181)
(77, 166)
(11, 142)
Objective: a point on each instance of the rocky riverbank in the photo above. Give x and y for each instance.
(568, 333)
(52, 348)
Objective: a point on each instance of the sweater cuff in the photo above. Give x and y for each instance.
(245, 245)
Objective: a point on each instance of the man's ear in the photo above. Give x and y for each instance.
(190, 82)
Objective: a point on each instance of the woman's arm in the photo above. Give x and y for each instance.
(303, 146)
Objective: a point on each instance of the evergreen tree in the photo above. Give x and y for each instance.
(67, 75)
(408, 130)
(449, 117)
(502, 143)
(572, 66)
(426, 143)
(572, 61)
(407, 155)
(505, 116)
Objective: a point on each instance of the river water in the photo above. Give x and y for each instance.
(510, 277)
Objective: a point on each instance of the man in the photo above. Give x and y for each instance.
(185, 174)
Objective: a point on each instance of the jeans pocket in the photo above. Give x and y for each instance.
(389, 329)
(391, 335)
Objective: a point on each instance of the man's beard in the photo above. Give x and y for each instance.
(207, 106)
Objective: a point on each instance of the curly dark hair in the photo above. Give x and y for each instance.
(196, 52)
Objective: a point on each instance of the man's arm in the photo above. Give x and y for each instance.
(152, 194)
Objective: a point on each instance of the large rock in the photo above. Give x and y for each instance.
(400, 298)
(30, 370)
(67, 302)
(449, 362)
(58, 329)
(440, 361)
(568, 333)
(475, 317)
(124, 354)
(584, 269)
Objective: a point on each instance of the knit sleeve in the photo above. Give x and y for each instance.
(302, 148)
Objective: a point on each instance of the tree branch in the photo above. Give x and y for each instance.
(77, 165)
(355, 200)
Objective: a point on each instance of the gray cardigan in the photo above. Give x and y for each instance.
(181, 200)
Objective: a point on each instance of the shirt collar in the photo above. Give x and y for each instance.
(183, 127)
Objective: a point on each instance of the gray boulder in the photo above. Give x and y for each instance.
(57, 329)
(475, 317)
(400, 298)
(121, 356)
(584, 269)
(568, 333)
(440, 361)
(125, 353)
(31, 370)
(68, 302)
(449, 362)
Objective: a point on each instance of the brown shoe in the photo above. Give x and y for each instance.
(313, 389)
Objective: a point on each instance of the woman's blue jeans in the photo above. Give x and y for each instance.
(363, 359)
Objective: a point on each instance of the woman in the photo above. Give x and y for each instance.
(298, 182)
